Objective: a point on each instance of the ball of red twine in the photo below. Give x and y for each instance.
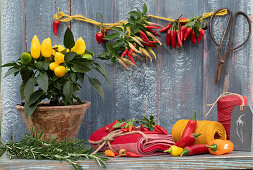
(225, 106)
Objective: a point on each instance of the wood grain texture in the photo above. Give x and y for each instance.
(12, 40)
(171, 88)
(235, 160)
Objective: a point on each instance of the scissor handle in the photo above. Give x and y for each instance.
(224, 33)
(233, 26)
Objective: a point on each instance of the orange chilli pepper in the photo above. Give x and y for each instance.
(220, 147)
(109, 153)
(122, 152)
(130, 128)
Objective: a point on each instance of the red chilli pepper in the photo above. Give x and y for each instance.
(131, 154)
(123, 54)
(56, 24)
(179, 40)
(129, 54)
(187, 140)
(144, 36)
(190, 127)
(193, 37)
(173, 38)
(148, 44)
(152, 27)
(201, 34)
(187, 33)
(99, 37)
(161, 129)
(168, 37)
(165, 28)
(195, 149)
(156, 129)
(183, 18)
(182, 32)
(153, 32)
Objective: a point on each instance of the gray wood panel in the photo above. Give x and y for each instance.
(171, 88)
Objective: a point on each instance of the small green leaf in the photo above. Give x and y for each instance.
(80, 77)
(80, 67)
(42, 65)
(109, 47)
(12, 71)
(35, 96)
(14, 63)
(118, 125)
(42, 81)
(57, 85)
(133, 13)
(117, 44)
(144, 8)
(97, 86)
(73, 77)
(112, 36)
(29, 87)
(69, 56)
(117, 29)
(22, 94)
(69, 41)
(26, 74)
(67, 91)
(29, 109)
(102, 70)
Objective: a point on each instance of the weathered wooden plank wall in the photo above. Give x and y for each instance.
(170, 88)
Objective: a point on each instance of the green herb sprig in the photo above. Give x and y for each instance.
(33, 147)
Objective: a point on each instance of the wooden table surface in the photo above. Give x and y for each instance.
(235, 160)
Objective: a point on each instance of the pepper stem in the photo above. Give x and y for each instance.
(196, 135)
(185, 152)
(58, 11)
(213, 147)
(194, 116)
(168, 151)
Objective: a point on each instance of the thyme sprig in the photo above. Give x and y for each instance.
(33, 147)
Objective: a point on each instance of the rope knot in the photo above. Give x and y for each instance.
(108, 138)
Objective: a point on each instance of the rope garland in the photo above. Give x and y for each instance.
(106, 140)
(222, 95)
(62, 17)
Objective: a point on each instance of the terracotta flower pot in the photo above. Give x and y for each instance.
(63, 121)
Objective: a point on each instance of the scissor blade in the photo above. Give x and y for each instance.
(218, 73)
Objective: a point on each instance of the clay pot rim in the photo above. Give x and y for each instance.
(42, 108)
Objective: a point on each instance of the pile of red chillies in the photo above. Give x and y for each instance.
(177, 32)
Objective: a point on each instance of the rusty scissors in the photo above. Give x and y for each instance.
(222, 57)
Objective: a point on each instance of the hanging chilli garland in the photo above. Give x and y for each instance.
(136, 37)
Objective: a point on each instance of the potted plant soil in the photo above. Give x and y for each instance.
(53, 74)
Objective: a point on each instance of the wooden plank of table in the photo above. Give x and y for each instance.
(235, 160)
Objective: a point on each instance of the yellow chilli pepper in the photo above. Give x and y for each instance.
(174, 150)
(79, 47)
(133, 48)
(145, 53)
(151, 51)
(59, 58)
(46, 48)
(61, 48)
(35, 47)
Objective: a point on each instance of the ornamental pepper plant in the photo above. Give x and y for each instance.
(55, 72)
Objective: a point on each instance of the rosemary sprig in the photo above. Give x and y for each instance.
(33, 147)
